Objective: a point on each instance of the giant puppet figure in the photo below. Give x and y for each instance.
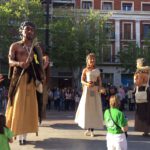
(89, 114)
(26, 68)
(142, 97)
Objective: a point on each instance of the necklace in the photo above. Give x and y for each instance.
(27, 48)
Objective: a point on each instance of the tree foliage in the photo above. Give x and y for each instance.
(74, 36)
(129, 55)
(12, 13)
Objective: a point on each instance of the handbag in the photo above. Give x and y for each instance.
(39, 86)
(141, 96)
(126, 134)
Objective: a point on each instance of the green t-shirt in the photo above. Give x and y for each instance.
(118, 117)
(4, 139)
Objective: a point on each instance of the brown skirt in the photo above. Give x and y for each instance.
(22, 116)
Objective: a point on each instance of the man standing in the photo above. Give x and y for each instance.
(26, 67)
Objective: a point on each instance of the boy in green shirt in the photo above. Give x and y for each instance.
(116, 126)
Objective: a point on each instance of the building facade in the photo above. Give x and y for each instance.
(131, 23)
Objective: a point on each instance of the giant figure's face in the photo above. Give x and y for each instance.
(139, 64)
(91, 61)
(28, 32)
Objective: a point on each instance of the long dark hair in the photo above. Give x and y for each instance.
(2, 123)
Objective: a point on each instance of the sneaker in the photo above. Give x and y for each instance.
(20, 142)
(24, 142)
(92, 134)
(87, 133)
(145, 134)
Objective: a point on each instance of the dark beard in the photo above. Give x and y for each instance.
(30, 38)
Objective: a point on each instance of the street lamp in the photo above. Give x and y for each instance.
(47, 4)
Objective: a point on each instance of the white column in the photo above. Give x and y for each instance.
(117, 74)
(117, 36)
(117, 77)
(137, 29)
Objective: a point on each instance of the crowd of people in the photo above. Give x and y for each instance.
(68, 98)
(65, 99)
(3, 98)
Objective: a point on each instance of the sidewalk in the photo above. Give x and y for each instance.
(59, 132)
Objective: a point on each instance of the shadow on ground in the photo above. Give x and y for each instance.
(65, 126)
(134, 143)
(69, 144)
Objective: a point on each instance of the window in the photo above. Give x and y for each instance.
(86, 4)
(108, 78)
(107, 53)
(4, 68)
(127, 6)
(109, 29)
(127, 31)
(125, 47)
(146, 50)
(146, 7)
(146, 32)
(107, 6)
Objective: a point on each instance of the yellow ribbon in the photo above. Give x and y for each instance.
(35, 58)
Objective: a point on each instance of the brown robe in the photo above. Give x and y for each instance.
(22, 115)
(142, 113)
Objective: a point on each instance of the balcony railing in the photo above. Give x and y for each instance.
(114, 14)
(64, 1)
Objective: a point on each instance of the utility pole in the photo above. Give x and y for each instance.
(47, 4)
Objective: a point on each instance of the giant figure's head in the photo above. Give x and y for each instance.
(27, 30)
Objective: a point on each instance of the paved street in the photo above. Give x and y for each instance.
(58, 132)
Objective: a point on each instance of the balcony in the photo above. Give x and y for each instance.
(119, 14)
(64, 1)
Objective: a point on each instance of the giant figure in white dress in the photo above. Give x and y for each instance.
(89, 114)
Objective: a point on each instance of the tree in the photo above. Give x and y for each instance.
(129, 55)
(12, 13)
(75, 35)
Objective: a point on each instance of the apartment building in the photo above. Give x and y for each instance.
(130, 22)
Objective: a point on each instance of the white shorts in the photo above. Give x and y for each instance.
(116, 141)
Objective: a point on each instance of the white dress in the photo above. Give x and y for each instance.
(89, 113)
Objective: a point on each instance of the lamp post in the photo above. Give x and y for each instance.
(47, 4)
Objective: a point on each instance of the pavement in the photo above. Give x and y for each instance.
(59, 132)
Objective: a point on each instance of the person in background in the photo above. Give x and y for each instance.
(116, 124)
(121, 94)
(105, 102)
(6, 135)
(89, 114)
(46, 86)
(1, 102)
(68, 97)
(77, 100)
(131, 99)
(50, 98)
(1, 78)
